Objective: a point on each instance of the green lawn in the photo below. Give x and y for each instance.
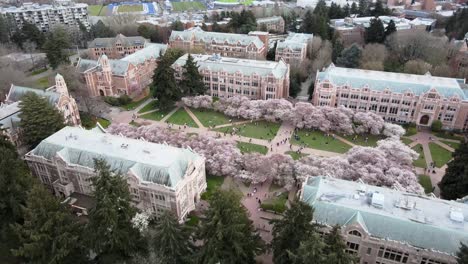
(192, 220)
(361, 139)
(317, 140)
(210, 117)
(157, 115)
(250, 148)
(130, 8)
(421, 161)
(212, 184)
(181, 117)
(246, 2)
(276, 204)
(263, 129)
(451, 144)
(104, 122)
(184, 6)
(43, 82)
(406, 141)
(38, 71)
(447, 135)
(151, 106)
(425, 182)
(134, 104)
(440, 156)
(295, 155)
(94, 10)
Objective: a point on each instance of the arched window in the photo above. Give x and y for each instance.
(355, 233)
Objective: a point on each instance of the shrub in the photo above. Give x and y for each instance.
(436, 126)
(410, 129)
(118, 101)
(87, 121)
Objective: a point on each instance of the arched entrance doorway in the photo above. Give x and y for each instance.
(424, 120)
(101, 92)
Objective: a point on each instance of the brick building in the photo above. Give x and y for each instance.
(226, 77)
(115, 48)
(271, 24)
(56, 95)
(397, 97)
(159, 177)
(293, 49)
(382, 225)
(195, 40)
(129, 75)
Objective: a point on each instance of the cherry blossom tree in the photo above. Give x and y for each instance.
(368, 122)
(393, 130)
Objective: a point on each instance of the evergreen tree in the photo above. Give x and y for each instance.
(100, 30)
(315, 24)
(227, 234)
(390, 29)
(321, 8)
(272, 52)
(288, 232)
(350, 57)
(337, 45)
(335, 11)
(39, 119)
(4, 30)
(192, 80)
(354, 9)
(29, 32)
(55, 45)
(363, 8)
(457, 25)
(336, 248)
(375, 33)
(310, 251)
(164, 86)
(454, 184)
(177, 25)
(109, 230)
(347, 10)
(172, 242)
(49, 233)
(379, 9)
(462, 254)
(15, 182)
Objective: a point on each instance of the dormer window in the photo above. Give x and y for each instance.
(355, 233)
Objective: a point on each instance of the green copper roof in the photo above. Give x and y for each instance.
(125, 41)
(152, 50)
(16, 92)
(420, 221)
(295, 41)
(150, 162)
(396, 82)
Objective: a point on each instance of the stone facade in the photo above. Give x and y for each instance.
(293, 49)
(159, 177)
(271, 24)
(115, 48)
(45, 17)
(227, 77)
(387, 226)
(129, 75)
(195, 40)
(397, 97)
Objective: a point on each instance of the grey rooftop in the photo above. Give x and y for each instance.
(396, 82)
(125, 41)
(295, 41)
(150, 162)
(198, 34)
(216, 63)
(420, 221)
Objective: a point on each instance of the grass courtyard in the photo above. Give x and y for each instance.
(157, 115)
(364, 140)
(318, 140)
(94, 10)
(451, 144)
(184, 6)
(134, 104)
(406, 140)
(421, 161)
(210, 117)
(261, 130)
(440, 156)
(246, 2)
(104, 122)
(130, 8)
(425, 182)
(151, 106)
(43, 82)
(277, 203)
(181, 117)
(213, 183)
(246, 147)
(295, 155)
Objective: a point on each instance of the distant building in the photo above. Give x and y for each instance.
(56, 95)
(196, 40)
(159, 177)
(45, 17)
(460, 57)
(271, 24)
(313, 3)
(293, 49)
(383, 225)
(227, 77)
(353, 29)
(115, 48)
(129, 75)
(397, 97)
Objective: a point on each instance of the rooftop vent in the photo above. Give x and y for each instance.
(378, 200)
(124, 146)
(456, 215)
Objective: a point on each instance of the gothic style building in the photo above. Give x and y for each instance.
(115, 48)
(397, 97)
(293, 49)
